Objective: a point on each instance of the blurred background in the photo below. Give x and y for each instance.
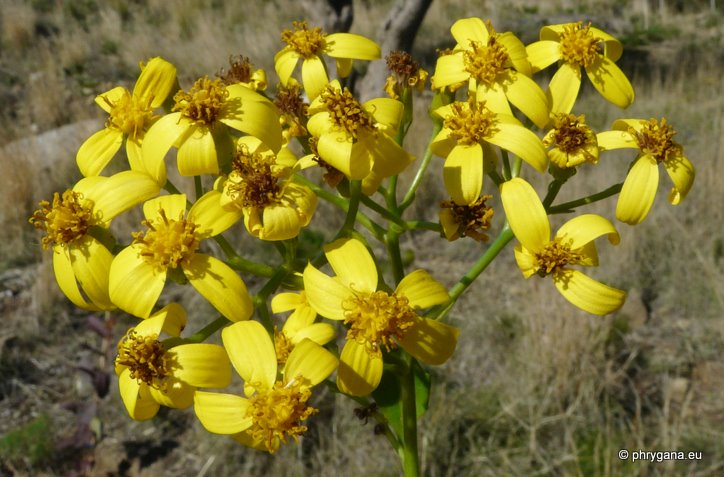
(535, 388)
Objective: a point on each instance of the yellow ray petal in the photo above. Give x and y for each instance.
(344, 67)
(310, 360)
(201, 365)
(359, 373)
(610, 81)
(516, 52)
(134, 286)
(563, 88)
(522, 142)
(494, 97)
(581, 230)
(64, 276)
(526, 95)
(222, 413)
(134, 152)
(466, 30)
(525, 214)
(526, 261)
(220, 285)
(279, 223)
(314, 76)
(156, 81)
(320, 333)
(287, 301)
(353, 264)
(250, 112)
(387, 112)
(173, 317)
(122, 191)
(252, 353)
(175, 394)
(91, 265)
(349, 45)
(588, 294)
(443, 143)
(197, 154)
(542, 54)
(682, 173)
(449, 70)
(98, 150)
(284, 63)
(609, 140)
(422, 290)
(158, 140)
(110, 98)
(136, 398)
(338, 151)
(638, 191)
(463, 173)
(210, 217)
(324, 294)
(430, 341)
(174, 206)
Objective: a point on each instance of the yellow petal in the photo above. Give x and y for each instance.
(134, 152)
(250, 112)
(430, 341)
(252, 353)
(527, 262)
(174, 206)
(197, 154)
(387, 112)
(279, 223)
(609, 140)
(159, 139)
(564, 87)
(682, 174)
(353, 264)
(581, 230)
(64, 276)
(443, 143)
(449, 70)
(98, 150)
(284, 63)
(522, 142)
(320, 333)
(134, 285)
(422, 290)
(349, 45)
(175, 394)
(389, 158)
(201, 365)
(338, 150)
(466, 30)
(173, 319)
(638, 191)
(108, 99)
(222, 413)
(344, 67)
(136, 398)
(220, 285)
(542, 54)
(527, 96)
(91, 265)
(156, 81)
(516, 52)
(359, 373)
(525, 214)
(210, 218)
(463, 173)
(287, 301)
(310, 360)
(319, 124)
(325, 294)
(122, 191)
(610, 81)
(588, 294)
(314, 76)
(624, 124)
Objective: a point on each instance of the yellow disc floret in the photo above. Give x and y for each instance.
(252, 182)
(486, 62)
(145, 357)
(470, 122)
(65, 220)
(555, 255)
(377, 317)
(130, 114)
(346, 112)
(283, 346)
(203, 102)
(578, 45)
(168, 243)
(656, 139)
(278, 413)
(306, 42)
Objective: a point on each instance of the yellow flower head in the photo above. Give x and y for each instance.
(293, 109)
(276, 406)
(309, 45)
(151, 375)
(538, 254)
(377, 320)
(466, 220)
(405, 73)
(241, 71)
(571, 142)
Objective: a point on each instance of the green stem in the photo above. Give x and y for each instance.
(260, 299)
(198, 187)
(355, 191)
(422, 225)
(410, 195)
(410, 454)
(567, 207)
(238, 263)
(506, 165)
(393, 249)
(385, 213)
(208, 330)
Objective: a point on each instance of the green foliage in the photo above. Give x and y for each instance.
(32, 442)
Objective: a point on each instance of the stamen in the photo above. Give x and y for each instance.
(470, 122)
(555, 255)
(306, 42)
(579, 46)
(486, 63)
(471, 219)
(346, 112)
(168, 243)
(66, 220)
(283, 346)
(571, 136)
(203, 102)
(130, 115)
(239, 72)
(145, 357)
(253, 182)
(656, 139)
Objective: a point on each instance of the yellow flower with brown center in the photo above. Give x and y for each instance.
(131, 114)
(538, 254)
(73, 223)
(496, 67)
(309, 45)
(276, 407)
(151, 375)
(571, 142)
(577, 46)
(377, 320)
(171, 244)
(405, 73)
(466, 220)
(655, 144)
(293, 109)
(469, 128)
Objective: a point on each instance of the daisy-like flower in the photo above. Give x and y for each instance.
(579, 46)
(73, 224)
(150, 375)
(405, 73)
(260, 185)
(573, 244)
(358, 139)
(299, 325)
(496, 67)
(130, 116)
(469, 128)
(171, 245)
(276, 406)
(293, 109)
(654, 141)
(376, 319)
(466, 220)
(571, 142)
(241, 71)
(309, 45)
(198, 127)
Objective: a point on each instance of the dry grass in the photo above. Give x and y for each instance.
(535, 387)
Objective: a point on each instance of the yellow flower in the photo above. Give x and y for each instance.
(260, 185)
(464, 141)
(496, 67)
(293, 110)
(654, 141)
(300, 324)
(131, 114)
(377, 319)
(198, 127)
(406, 73)
(151, 375)
(466, 220)
(578, 46)
(573, 244)
(74, 222)
(171, 245)
(241, 71)
(309, 46)
(275, 407)
(571, 142)
(358, 139)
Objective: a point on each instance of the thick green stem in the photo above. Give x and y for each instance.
(355, 191)
(239, 263)
(567, 207)
(410, 195)
(208, 330)
(410, 454)
(393, 249)
(385, 213)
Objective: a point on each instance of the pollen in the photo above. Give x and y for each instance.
(470, 122)
(130, 115)
(65, 220)
(472, 219)
(253, 183)
(283, 346)
(145, 357)
(376, 318)
(203, 102)
(306, 42)
(168, 242)
(346, 112)
(579, 46)
(278, 413)
(486, 63)
(656, 139)
(556, 255)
